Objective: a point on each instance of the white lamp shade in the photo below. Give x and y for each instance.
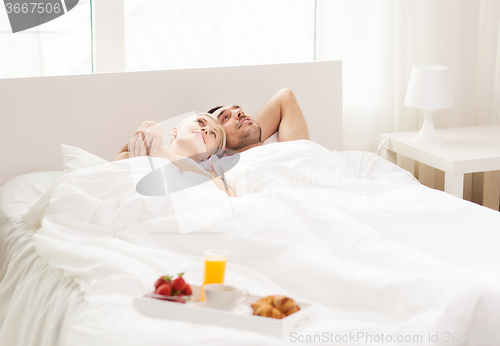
(429, 88)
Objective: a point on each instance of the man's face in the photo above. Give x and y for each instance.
(241, 129)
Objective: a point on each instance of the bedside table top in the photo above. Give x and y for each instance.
(465, 150)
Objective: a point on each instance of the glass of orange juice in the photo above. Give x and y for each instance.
(215, 268)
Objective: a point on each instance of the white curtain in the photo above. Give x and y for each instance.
(379, 42)
(60, 47)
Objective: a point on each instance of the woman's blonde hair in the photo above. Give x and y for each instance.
(221, 143)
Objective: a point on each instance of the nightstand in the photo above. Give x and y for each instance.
(465, 150)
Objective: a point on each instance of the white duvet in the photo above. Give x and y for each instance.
(379, 252)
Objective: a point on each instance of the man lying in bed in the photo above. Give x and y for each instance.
(281, 114)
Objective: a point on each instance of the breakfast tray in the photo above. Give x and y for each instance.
(240, 318)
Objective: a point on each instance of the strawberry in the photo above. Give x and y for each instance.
(178, 284)
(163, 279)
(187, 290)
(163, 289)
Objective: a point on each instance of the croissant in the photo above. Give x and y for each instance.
(275, 307)
(265, 300)
(285, 304)
(267, 310)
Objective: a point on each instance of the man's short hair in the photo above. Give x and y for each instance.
(214, 109)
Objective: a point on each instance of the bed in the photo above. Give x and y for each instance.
(384, 258)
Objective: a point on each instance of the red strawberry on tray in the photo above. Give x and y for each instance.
(163, 279)
(187, 290)
(164, 289)
(172, 290)
(178, 284)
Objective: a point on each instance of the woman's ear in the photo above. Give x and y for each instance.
(174, 132)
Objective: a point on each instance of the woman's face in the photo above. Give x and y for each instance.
(198, 135)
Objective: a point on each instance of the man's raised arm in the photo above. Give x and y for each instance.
(282, 113)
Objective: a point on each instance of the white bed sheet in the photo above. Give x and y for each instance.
(379, 251)
(40, 305)
(36, 300)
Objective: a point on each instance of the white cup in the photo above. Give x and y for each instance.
(224, 297)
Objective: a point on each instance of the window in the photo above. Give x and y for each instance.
(60, 47)
(164, 34)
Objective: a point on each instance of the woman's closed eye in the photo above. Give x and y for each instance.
(213, 134)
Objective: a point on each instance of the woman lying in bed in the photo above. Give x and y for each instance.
(195, 139)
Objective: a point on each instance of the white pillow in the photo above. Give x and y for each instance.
(75, 158)
(272, 139)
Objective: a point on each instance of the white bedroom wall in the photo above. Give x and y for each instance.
(108, 33)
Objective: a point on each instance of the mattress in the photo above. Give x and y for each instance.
(378, 252)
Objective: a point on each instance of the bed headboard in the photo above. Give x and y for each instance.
(99, 112)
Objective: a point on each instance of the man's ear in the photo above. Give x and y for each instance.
(174, 132)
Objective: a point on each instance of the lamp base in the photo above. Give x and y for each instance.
(428, 133)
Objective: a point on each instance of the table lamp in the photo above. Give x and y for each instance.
(429, 89)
